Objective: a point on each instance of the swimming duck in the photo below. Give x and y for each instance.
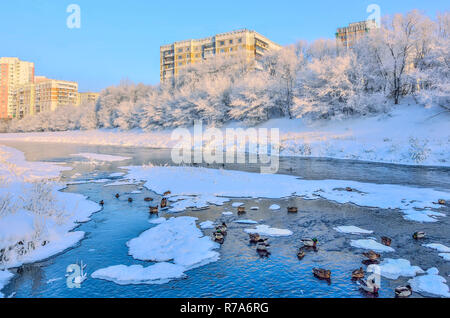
(254, 237)
(241, 209)
(403, 291)
(292, 209)
(301, 254)
(130, 200)
(322, 273)
(358, 273)
(222, 228)
(386, 241)
(310, 242)
(441, 202)
(117, 195)
(371, 255)
(369, 286)
(261, 246)
(167, 193)
(418, 235)
(154, 209)
(348, 189)
(163, 203)
(148, 199)
(218, 237)
(102, 203)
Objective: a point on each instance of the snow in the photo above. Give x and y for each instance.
(226, 213)
(439, 247)
(5, 277)
(351, 229)
(254, 208)
(116, 174)
(274, 207)
(176, 239)
(158, 273)
(376, 138)
(237, 204)
(216, 186)
(430, 283)
(88, 181)
(245, 222)
(47, 215)
(157, 220)
(445, 256)
(269, 231)
(122, 183)
(207, 225)
(100, 157)
(369, 244)
(394, 268)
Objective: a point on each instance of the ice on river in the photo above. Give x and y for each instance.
(394, 268)
(430, 283)
(5, 277)
(176, 240)
(100, 157)
(351, 229)
(207, 184)
(269, 231)
(369, 244)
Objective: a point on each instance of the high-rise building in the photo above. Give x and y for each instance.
(51, 93)
(13, 73)
(88, 97)
(347, 36)
(174, 57)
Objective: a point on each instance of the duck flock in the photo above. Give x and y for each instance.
(369, 285)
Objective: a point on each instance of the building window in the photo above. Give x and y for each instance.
(222, 42)
(188, 56)
(231, 41)
(222, 51)
(231, 49)
(180, 64)
(180, 57)
(180, 50)
(240, 40)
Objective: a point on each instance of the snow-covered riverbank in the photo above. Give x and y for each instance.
(410, 134)
(36, 218)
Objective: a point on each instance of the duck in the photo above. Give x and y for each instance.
(154, 209)
(130, 200)
(241, 209)
(222, 228)
(348, 189)
(418, 235)
(261, 246)
(369, 286)
(218, 237)
(358, 273)
(163, 203)
(167, 193)
(386, 241)
(292, 209)
(117, 195)
(148, 199)
(322, 273)
(102, 203)
(254, 238)
(371, 255)
(300, 254)
(441, 202)
(310, 242)
(403, 291)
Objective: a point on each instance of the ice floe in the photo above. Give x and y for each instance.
(100, 157)
(351, 229)
(158, 273)
(415, 203)
(370, 244)
(430, 283)
(5, 277)
(157, 220)
(274, 207)
(116, 174)
(254, 208)
(269, 231)
(439, 247)
(445, 256)
(207, 225)
(245, 222)
(394, 268)
(237, 204)
(227, 213)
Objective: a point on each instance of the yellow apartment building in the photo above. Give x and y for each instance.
(347, 36)
(51, 93)
(13, 73)
(88, 97)
(174, 57)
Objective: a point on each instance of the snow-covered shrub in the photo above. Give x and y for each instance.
(418, 150)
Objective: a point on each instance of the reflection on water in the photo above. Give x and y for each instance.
(240, 272)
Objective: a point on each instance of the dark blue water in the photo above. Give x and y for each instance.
(240, 272)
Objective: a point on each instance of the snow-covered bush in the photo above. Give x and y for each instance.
(418, 150)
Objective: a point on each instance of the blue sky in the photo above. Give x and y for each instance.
(121, 39)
